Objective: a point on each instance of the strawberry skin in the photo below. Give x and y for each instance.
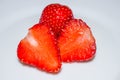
(39, 49)
(76, 42)
(55, 16)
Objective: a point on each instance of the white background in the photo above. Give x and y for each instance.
(103, 16)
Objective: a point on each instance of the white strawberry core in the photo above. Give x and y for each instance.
(31, 40)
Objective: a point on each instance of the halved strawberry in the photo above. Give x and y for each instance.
(56, 15)
(39, 49)
(76, 42)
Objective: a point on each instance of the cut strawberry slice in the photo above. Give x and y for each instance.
(76, 42)
(39, 49)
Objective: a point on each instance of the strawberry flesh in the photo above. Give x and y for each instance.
(39, 49)
(76, 42)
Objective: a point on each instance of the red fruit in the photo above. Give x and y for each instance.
(76, 42)
(39, 49)
(55, 16)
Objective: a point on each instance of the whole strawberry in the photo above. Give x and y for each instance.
(39, 49)
(76, 42)
(55, 16)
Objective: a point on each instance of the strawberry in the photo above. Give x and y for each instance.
(76, 42)
(56, 15)
(39, 49)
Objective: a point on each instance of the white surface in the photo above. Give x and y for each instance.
(103, 16)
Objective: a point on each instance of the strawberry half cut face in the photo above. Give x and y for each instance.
(76, 42)
(39, 49)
